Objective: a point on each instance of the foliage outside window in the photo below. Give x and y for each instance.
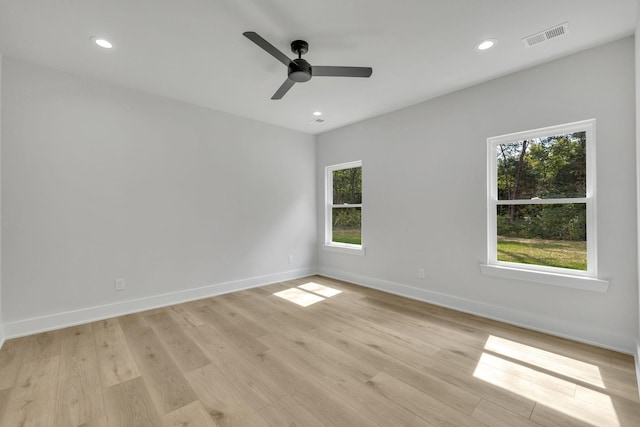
(344, 205)
(541, 208)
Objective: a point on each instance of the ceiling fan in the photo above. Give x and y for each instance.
(299, 70)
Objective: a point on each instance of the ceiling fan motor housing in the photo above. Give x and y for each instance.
(299, 71)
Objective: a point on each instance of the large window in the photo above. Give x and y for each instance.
(343, 221)
(541, 200)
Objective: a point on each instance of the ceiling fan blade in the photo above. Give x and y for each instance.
(271, 49)
(342, 71)
(283, 89)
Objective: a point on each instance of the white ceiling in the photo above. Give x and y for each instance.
(194, 51)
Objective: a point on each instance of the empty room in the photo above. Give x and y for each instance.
(337, 213)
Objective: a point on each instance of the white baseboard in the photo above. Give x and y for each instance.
(606, 339)
(577, 332)
(91, 314)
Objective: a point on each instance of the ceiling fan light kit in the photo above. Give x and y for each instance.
(299, 70)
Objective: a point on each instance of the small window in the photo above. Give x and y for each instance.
(541, 199)
(343, 222)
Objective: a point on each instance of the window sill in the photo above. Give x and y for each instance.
(344, 249)
(548, 278)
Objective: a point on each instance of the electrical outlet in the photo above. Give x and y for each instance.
(421, 273)
(290, 259)
(119, 285)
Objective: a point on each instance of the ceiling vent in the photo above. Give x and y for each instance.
(546, 35)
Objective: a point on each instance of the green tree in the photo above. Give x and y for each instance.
(347, 221)
(552, 167)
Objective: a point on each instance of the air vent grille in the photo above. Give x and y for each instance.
(546, 35)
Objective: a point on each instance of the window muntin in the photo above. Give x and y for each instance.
(343, 220)
(541, 199)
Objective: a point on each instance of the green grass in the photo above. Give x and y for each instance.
(553, 253)
(348, 235)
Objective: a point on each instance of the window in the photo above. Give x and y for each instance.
(541, 200)
(343, 218)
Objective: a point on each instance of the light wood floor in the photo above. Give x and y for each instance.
(355, 357)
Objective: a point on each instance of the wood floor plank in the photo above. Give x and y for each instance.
(129, 404)
(256, 386)
(300, 355)
(231, 320)
(42, 346)
(420, 422)
(224, 403)
(415, 356)
(355, 368)
(419, 323)
(558, 345)
(233, 332)
(527, 372)
(4, 399)
(433, 334)
(627, 411)
(184, 351)
(619, 382)
(10, 361)
(192, 415)
(546, 416)
(449, 374)
(549, 398)
(497, 416)
(356, 357)
(458, 370)
(184, 315)
(314, 397)
(256, 307)
(100, 422)
(131, 322)
(421, 346)
(423, 405)
(115, 361)
(287, 412)
(167, 386)
(79, 398)
(32, 400)
(437, 388)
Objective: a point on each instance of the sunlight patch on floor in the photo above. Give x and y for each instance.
(300, 297)
(307, 294)
(562, 365)
(529, 372)
(316, 288)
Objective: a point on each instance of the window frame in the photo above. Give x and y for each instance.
(329, 244)
(583, 279)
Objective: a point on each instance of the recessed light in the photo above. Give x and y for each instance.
(103, 43)
(317, 113)
(486, 44)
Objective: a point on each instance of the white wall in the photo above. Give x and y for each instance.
(424, 184)
(637, 52)
(100, 182)
(1, 318)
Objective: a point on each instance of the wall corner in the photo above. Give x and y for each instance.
(1, 321)
(637, 76)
